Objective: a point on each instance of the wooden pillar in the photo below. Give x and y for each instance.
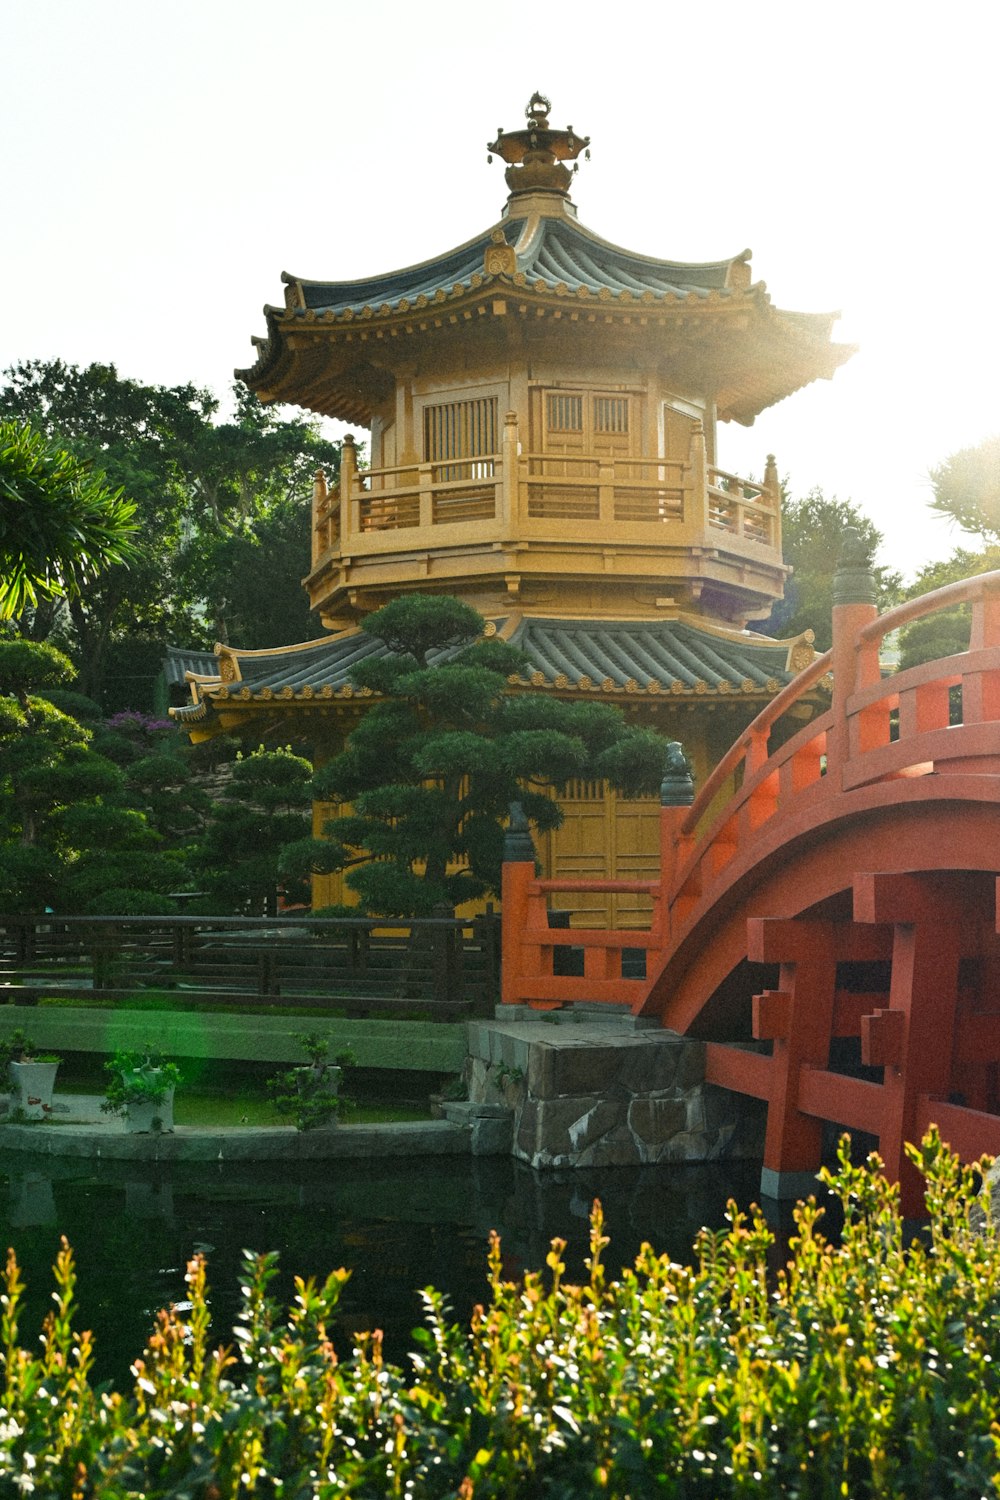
(798, 1019)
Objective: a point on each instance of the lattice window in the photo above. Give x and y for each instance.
(578, 790)
(462, 430)
(564, 413)
(611, 414)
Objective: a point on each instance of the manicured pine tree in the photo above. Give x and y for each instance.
(426, 779)
(266, 806)
(69, 838)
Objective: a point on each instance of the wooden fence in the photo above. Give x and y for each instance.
(445, 968)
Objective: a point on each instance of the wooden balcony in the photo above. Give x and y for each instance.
(542, 502)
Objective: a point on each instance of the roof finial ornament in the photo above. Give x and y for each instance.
(536, 111)
(535, 156)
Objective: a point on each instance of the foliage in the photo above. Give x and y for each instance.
(67, 833)
(60, 523)
(812, 531)
(431, 769)
(947, 632)
(266, 806)
(223, 511)
(967, 488)
(138, 1078)
(19, 1047)
(869, 1368)
(311, 1095)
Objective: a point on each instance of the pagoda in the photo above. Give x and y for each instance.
(542, 410)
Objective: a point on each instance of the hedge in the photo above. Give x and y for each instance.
(865, 1367)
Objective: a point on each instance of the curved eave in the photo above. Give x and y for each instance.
(554, 255)
(787, 371)
(618, 661)
(769, 353)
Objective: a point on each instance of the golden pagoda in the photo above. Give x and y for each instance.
(541, 410)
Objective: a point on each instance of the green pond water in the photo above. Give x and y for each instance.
(398, 1225)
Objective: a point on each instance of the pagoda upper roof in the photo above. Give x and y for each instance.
(330, 347)
(552, 249)
(677, 657)
(538, 254)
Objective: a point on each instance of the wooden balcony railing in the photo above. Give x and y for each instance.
(536, 495)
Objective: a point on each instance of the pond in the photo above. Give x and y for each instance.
(398, 1225)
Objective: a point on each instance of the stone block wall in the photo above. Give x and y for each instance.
(597, 1095)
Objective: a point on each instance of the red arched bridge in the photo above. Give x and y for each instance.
(859, 857)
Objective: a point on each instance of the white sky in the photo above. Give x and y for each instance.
(164, 162)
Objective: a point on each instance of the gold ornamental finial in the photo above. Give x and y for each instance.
(535, 156)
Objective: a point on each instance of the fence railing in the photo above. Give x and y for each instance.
(440, 967)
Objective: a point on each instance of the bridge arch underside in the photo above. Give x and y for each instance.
(859, 957)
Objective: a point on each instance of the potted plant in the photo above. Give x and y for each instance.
(141, 1087)
(310, 1094)
(30, 1075)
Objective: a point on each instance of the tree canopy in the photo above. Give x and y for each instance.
(812, 535)
(967, 488)
(222, 509)
(425, 781)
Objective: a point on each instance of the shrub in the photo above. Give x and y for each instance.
(868, 1368)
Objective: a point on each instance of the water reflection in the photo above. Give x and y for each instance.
(399, 1225)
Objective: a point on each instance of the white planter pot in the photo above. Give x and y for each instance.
(151, 1115)
(31, 1085)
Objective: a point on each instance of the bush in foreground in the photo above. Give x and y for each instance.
(866, 1368)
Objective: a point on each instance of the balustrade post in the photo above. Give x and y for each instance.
(606, 493)
(699, 476)
(425, 498)
(985, 621)
(321, 517)
(772, 485)
(853, 608)
(509, 473)
(446, 969)
(350, 503)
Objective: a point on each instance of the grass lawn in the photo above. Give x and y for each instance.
(210, 1110)
(215, 1094)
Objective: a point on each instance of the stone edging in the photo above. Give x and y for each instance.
(268, 1143)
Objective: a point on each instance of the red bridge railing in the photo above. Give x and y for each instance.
(937, 717)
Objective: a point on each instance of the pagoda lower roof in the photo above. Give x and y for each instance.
(677, 656)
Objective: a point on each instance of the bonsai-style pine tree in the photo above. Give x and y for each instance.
(265, 807)
(427, 777)
(70, 837)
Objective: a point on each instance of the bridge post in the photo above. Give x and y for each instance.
(676, 797)
(798, 1019)
(517, 874)
(853, 607)
(914, 1039)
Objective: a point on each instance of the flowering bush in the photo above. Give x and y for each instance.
(866, 1368)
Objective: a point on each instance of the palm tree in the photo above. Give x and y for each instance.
(60, 524)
